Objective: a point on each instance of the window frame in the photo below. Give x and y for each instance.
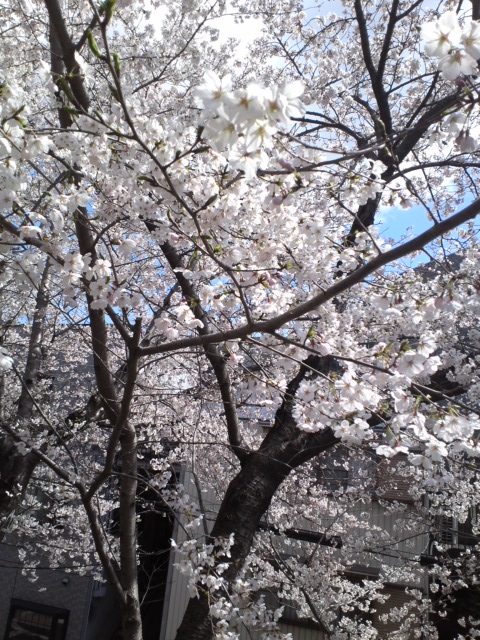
(56, 614)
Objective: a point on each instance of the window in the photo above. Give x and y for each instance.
(34, 621)
(335, 475)
(333, 470)
(388, 479)
(394, 479)
(451, 532)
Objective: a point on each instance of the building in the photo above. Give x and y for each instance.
(55, 605)
(62, 605)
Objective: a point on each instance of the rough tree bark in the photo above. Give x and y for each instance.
(251, 491)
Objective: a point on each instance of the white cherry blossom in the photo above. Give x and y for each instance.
(436, 450)
(6, 361)
(471, 39)
(456, 63)
(441, 35)
(205, 272)
(215, 91)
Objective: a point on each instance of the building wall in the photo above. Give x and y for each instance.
(177, 587)
(402, 546)
(177, 595)
(104, 622)
(378, 517)
(397, 599)
(48, 589)
(298, 633)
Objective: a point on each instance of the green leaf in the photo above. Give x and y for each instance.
(62, 83)
(116, 64)
(114, 92)
(71, 110)
(109, 9)
(93, 45)
(210, 201)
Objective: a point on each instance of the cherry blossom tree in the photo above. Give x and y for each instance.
(191, 248)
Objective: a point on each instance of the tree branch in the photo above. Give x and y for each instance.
(212, 352)
(271, 325)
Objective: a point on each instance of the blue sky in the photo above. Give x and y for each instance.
(395, 223)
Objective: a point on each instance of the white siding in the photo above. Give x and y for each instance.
(177, 595)
(378, 517)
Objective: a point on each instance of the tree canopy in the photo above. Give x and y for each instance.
(204, 267)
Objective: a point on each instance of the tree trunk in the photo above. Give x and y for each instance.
(63, 62)
(35, 355)
(247, 498)
(130, 610)
(16, 469)
(249, 494)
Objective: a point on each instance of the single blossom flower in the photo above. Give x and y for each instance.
(74, 262)
(102, 268)
(421, 461)
(215, 90)
(441, 35)
(283, 103)
(389, 452)
(466, 142)
(127, 247)
(436, 450)
(258, 134)
(247, 104)
(221, 132)
(247, 161)
(6, 362)
(30, 231)
(471, 39)
(411, 363)
(455, 122)
(456, 63)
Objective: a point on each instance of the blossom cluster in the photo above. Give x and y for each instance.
(199, 562)
(244, 121)
(204, 565)
(346, 396)
(364, 183)
(457, 49)
(6, 361)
